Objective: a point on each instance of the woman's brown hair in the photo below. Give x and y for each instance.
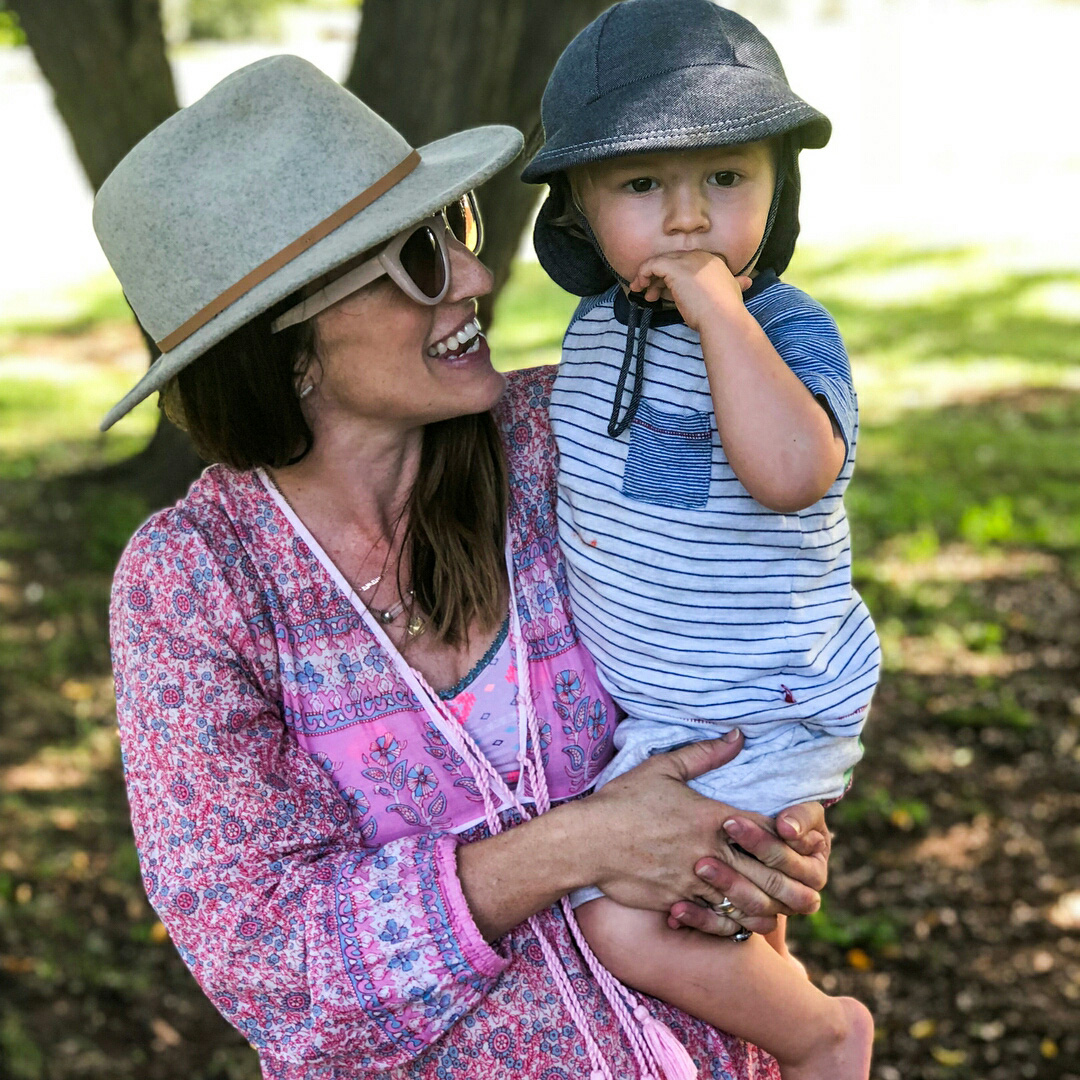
(240, 404)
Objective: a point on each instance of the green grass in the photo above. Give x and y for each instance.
(970, 407)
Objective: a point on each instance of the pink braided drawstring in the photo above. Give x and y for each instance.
(657, 1052)
(655, 1047)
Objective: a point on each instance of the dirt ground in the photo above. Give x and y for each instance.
(953, 908)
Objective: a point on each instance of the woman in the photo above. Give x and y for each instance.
(323, 833)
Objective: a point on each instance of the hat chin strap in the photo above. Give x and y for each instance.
(770, 220)
(641, 310)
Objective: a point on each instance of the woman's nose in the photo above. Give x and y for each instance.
(468, 275)
(687, 211)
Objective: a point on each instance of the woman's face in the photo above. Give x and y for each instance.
(379, 359)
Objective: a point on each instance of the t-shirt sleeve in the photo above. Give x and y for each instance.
(808, 341)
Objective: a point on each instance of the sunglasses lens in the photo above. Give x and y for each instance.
(422, 260)
(463, 217)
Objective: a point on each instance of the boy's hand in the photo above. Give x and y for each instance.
(699, 283)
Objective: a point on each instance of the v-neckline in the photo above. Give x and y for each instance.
(403, 668)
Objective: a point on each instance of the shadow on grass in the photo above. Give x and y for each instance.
(92, 988)
(957, 308)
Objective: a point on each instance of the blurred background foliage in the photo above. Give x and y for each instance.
(954, 903)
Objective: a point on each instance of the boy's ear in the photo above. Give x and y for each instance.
(785, 231)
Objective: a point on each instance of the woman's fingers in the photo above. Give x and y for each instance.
(776, 854)
(770, 890)
(804, 828)
(709, 921)
(696, 759)
(758, 906)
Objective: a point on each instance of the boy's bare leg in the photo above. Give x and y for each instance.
(743, 988)
(778, 940)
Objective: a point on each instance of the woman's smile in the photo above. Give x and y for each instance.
(458, 342)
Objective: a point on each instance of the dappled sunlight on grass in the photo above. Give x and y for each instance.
(69, 311)
(965, 510)
(531, 318)
(53, 394)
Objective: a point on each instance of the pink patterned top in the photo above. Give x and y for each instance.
(314, 895)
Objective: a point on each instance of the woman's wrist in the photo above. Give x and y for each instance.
(511, 876)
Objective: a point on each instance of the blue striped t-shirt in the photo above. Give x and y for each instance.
(696, 601)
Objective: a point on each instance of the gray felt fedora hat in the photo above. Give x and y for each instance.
(276, 176)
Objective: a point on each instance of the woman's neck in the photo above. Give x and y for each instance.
(354, 480)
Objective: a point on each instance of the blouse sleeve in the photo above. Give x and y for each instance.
(312, 945)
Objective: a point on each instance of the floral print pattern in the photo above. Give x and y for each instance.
(297, 814)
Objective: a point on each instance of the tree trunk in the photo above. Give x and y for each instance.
(111, 81)
(105, 61)
(433, 67)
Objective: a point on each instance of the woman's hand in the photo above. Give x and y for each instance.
(647, 831)
(789, 866)
(640, 839)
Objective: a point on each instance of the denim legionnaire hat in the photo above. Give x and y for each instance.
(273, 178)
(662, 75)
(654, 75)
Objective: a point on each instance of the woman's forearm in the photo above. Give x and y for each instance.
(507, 878)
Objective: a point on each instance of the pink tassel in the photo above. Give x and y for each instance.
(672, 1057)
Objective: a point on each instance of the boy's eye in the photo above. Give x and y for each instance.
(725, 178)
(640, 184)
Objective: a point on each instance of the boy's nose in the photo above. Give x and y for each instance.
(687, 211)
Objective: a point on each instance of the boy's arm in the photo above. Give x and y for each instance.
(781, 442)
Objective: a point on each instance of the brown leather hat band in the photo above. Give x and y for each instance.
(290, 252)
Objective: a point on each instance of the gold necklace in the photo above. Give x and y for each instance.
(416, 625)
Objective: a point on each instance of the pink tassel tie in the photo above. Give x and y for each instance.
(672, 1057)
(648, 1037)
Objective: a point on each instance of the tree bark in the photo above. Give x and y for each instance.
(111, 81)
(105, 61)
(433, 67)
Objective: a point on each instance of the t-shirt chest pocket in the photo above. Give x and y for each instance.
(669, 459)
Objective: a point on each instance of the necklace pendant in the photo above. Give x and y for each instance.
(415, 626)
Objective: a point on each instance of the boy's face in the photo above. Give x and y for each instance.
(715, 199)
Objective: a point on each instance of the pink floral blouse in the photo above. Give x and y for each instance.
(297, 813)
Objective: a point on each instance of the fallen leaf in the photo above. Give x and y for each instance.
(949, 1058)
(858, 959)
(165, 1033)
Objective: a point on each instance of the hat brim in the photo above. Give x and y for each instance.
(613, 125)
(448, 168)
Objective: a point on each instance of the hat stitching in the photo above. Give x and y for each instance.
(673, 70)
(661, 133)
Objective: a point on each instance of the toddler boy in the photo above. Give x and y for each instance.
(706, 426)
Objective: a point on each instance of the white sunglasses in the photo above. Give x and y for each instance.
(417, 260)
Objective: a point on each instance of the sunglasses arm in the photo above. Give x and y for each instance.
(329, 295)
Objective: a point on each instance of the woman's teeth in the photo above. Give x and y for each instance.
(466, 340)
